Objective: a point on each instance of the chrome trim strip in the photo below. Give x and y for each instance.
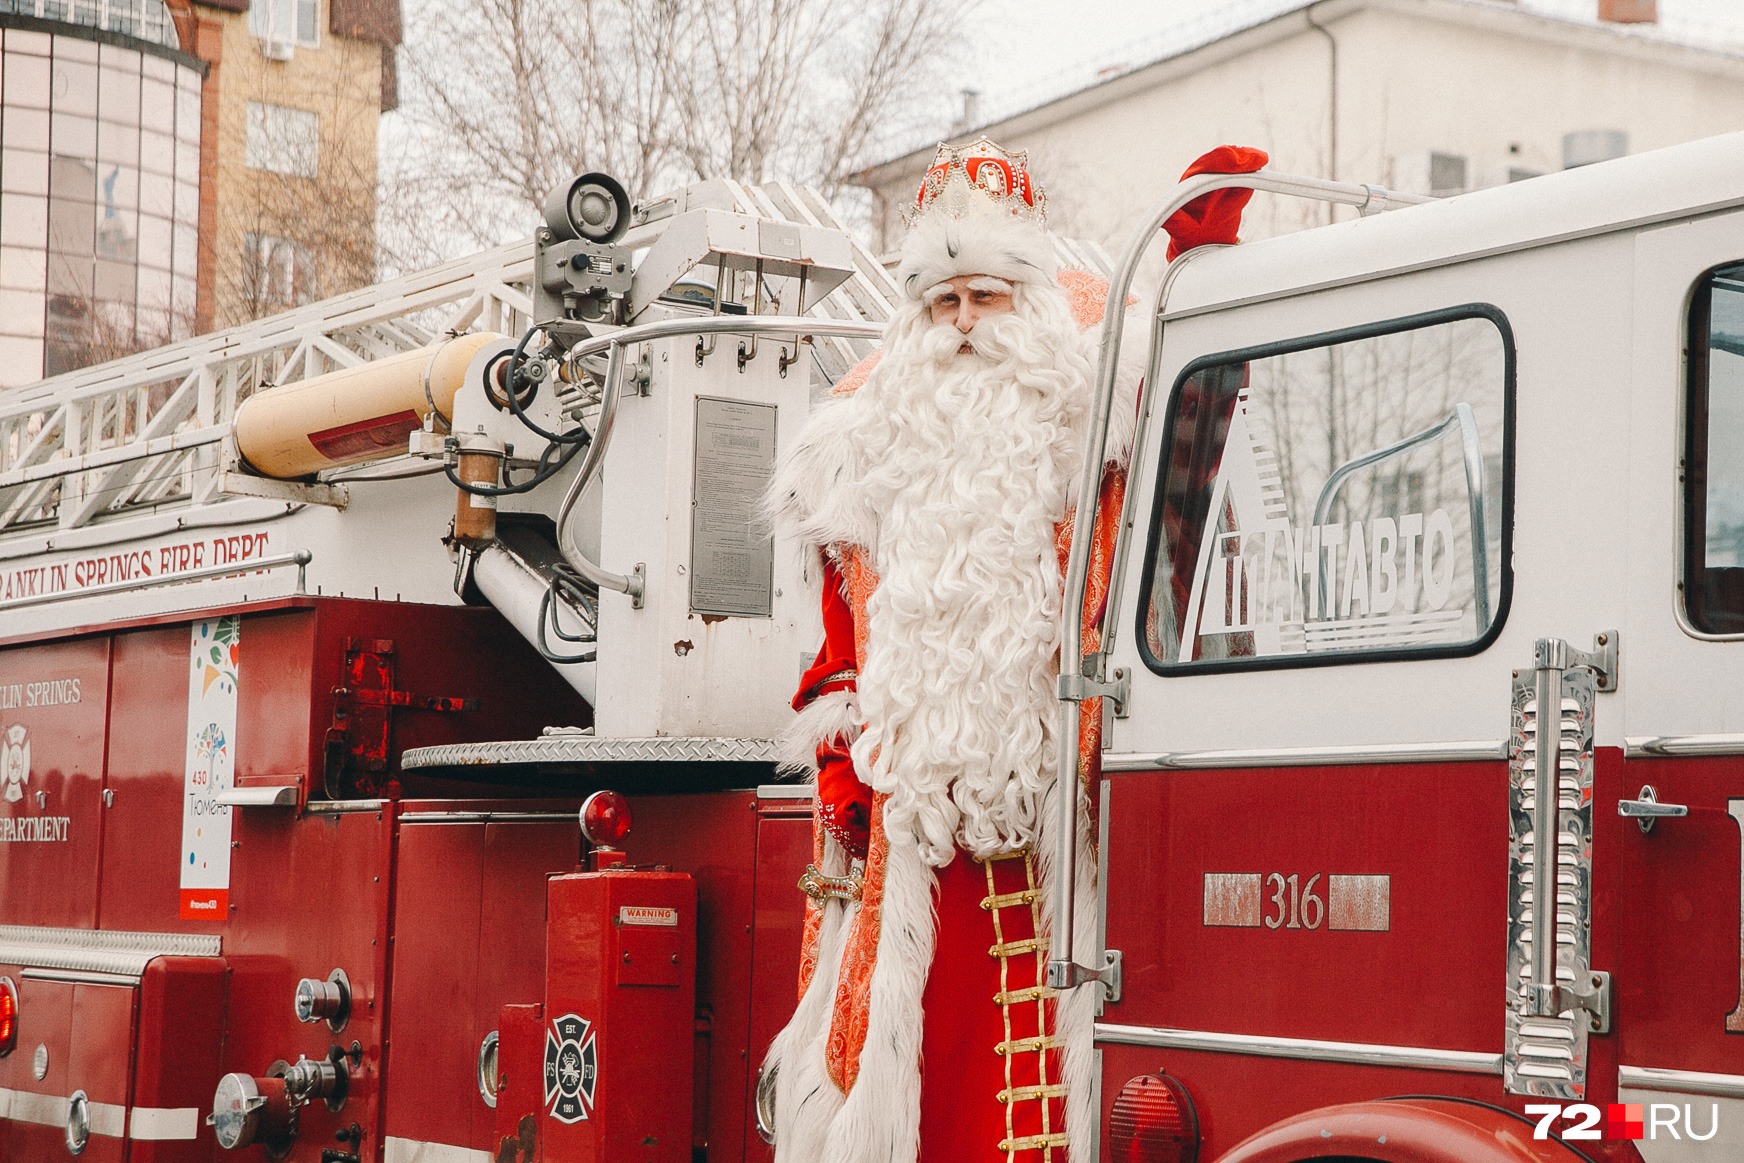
(786, 791)
(1681, 746)
(340, 807)
(1681, 1081)
(1307, 1049)
(1461, 751)
(488, 817)
(79, 978)
(98, 950)
(265, 796)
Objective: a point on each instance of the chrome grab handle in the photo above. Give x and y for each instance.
(1645, 808)
(1063, 971)
(613, 344)
(1546, 996)
(1546, 779)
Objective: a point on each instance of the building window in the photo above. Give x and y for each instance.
(1432, 172)
(286, 22)
(282, 140)
(278, 272)
(1335, 498)
(1446, 175)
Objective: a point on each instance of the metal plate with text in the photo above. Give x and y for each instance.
(732, 550)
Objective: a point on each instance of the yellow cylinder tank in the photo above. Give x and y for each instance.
(353, 414)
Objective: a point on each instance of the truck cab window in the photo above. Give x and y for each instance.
(1335, 498)
(1714, 456)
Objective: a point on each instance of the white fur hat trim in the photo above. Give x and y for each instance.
(941, 248)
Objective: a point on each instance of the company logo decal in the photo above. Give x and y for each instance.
(15, 761)
(571, 1068)
(1623, 1120)
(14, 775)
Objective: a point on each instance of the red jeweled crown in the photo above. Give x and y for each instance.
(979, 178)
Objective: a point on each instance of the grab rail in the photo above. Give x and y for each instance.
(301, 559)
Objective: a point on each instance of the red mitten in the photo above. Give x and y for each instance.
(834, 669)
(1213, 217)
(844, 803)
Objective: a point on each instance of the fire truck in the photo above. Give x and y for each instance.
(388, 688)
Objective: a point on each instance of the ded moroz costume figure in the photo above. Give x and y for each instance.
(937, 487)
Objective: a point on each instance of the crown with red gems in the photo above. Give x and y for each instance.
(979, 178)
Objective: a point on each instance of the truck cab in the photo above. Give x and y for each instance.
(1401, 473)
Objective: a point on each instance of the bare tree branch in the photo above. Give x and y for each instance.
(503, 99)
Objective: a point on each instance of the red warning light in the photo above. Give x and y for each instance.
(1153, 1121)
(8, 1016)
(605, 819)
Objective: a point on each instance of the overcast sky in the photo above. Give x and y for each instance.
(1029, 50)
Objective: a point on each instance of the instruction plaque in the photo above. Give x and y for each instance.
(732, 549)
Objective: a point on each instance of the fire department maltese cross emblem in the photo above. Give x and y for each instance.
(15, 761)
(570, 1068)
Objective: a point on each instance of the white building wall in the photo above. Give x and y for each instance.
(1478, 79)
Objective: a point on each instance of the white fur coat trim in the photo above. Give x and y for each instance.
(879, 1120)
(824, 720)
(806, 1100)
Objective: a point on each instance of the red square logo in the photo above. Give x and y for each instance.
(1624, 1121)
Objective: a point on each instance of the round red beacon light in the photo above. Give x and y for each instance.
(8, 1016)
(605, 819)
(1153, 1121)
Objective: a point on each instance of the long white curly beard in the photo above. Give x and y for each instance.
(964, 464)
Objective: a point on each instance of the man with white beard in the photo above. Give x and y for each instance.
(938, 488)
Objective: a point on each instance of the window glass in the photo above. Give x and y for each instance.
(1714, 476)
(281, 140)
(286, 20)
(1335, 498)
(277, 272)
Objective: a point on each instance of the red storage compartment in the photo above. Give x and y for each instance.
(620, 1000)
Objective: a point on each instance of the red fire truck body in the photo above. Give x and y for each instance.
(1402, 481)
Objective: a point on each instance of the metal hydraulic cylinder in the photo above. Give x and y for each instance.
(353, 414)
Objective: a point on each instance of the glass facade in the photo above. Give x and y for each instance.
(99, 188)
(147, 20)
